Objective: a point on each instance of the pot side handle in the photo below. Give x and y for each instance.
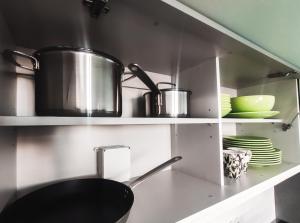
(10, 56)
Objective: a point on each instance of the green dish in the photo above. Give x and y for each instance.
(225, 95)
(264, 156)
(260, 153)
(265, 161)
(260, 114)
(225, 104)
(247, 138)
(249, 146)
(248, 143)
(262, 165)
(275, 157)
(253, 103)
(225, 101)
(225, 112)
(270, 155)
(259, 157)
(256, 151)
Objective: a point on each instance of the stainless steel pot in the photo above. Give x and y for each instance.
(75, 81)
(169, 102)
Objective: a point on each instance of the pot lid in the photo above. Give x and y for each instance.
(79, 49)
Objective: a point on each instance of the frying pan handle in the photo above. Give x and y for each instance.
(145, 176)
(9, 55)
(138, 72)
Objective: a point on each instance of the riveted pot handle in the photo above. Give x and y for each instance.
(10, 56)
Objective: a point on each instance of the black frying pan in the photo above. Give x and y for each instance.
(92, 200)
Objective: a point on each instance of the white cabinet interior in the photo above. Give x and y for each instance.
(173, 43)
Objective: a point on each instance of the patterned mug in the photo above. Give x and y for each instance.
(246, 157)
(235, 162)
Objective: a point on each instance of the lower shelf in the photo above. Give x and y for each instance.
(172, 196)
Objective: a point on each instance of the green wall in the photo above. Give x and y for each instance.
(272, 24)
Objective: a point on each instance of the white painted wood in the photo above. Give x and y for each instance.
(200, 148)
(186, 199)
(220, 138)
(47, 154)
(228, 129)
(63, 121)
(202, 81)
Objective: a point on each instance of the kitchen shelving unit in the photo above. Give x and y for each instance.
(173, 43)
(201, 200)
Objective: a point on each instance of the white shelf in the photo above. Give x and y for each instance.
(250, 120)
(172, 196)
(63, 121)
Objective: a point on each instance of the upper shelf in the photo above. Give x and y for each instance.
(163, 36)
(64, 121)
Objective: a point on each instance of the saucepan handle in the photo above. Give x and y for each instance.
(10, 56)
(157, 169)
(138, 72)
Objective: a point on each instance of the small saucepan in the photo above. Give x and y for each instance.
(168, 102)
(91, 200)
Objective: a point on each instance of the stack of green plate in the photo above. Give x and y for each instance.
(263, 152)
(225, 104)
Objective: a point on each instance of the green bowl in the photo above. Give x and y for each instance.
(225, 111)
(252, 103)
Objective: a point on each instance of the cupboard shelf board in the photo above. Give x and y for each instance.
(252, 120)
(69, 121)
(183, 198)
